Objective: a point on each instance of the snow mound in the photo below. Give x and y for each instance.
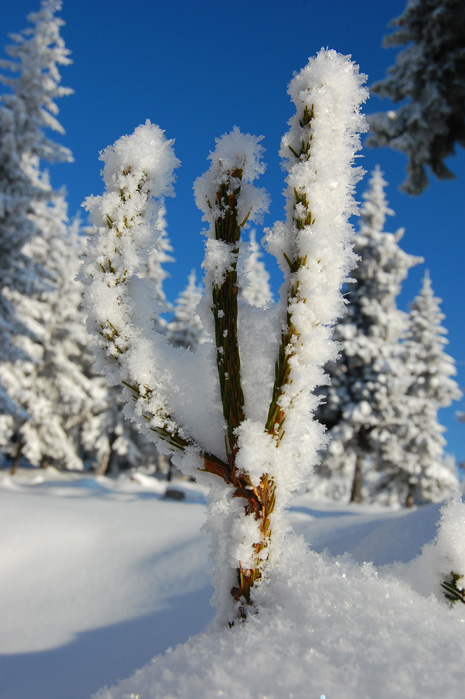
(337, 629)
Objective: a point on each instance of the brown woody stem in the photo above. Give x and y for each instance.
(259, 500)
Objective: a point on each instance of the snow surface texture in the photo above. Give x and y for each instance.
(100, 575)
(338, 629)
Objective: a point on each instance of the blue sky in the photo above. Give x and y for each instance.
(199, 68)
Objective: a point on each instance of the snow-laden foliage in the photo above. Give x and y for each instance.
(35, 57)
(425, 344)
(235, 164)
(52, 387)
(156, 272)
(427, 79)
(51, 391)
(137, 169)
(25, 113)
(248, 431)
(255, 282)
(429, 474)
(186, 328)
(363, 407)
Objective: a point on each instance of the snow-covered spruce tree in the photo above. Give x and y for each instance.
(186, 328)
(425, 474)
(25, 113)
(362, 408)
(156, 272)
(429, 75)
(249, 433)
(255, 282)
(53, 387)
(106, 437)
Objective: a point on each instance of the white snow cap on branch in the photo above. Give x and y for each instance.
(327, 94)
(314, 245)
(138, 169)
(145, 151)
(236, 162)
(235, 153)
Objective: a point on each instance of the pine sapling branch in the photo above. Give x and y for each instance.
(224, 295)
(452, 591)
(259, 499)
(302, 218)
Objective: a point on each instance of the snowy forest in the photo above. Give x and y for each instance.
(392, 375)
(241, 394)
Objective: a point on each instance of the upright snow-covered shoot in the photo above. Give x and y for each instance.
(314, 244)
(138, 171)
(247, 432)
(228, 198)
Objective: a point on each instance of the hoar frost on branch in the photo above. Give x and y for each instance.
(249, 434)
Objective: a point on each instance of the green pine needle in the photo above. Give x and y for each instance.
(451, 591)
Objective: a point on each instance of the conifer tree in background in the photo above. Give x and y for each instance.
(186, 328)
(422, 473)
(25, 113)
(54, 408)
(429, 74)
(105, 435)
(249, 434)
(53, 388)
(363, 406)
(71, 413)
(255, 287)
(156, 272)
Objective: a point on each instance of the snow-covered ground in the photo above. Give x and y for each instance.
(98, 576)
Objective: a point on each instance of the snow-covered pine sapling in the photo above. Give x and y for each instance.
(249, 432)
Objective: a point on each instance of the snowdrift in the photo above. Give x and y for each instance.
(102, 575)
